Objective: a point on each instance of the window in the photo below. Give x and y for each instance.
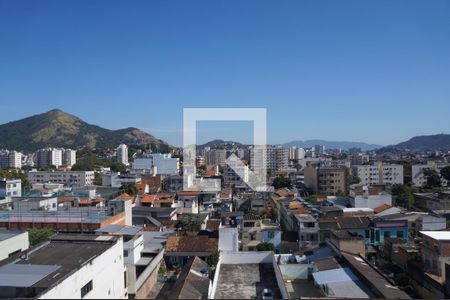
(367, 234)
(86, 289)
(125, 253)
(387, 234)
(270, 234)
(400, 234)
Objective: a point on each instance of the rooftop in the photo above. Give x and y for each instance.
(7, 234)
(246, 281)
(437, 235)
(353, 222)
(50, 264)
(197, 243)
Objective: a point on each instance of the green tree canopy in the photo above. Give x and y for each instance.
(445, 173)
(14, 174)
(404, 194)
(433, 178)
(39, 235)
(281, 182)
(265, 247)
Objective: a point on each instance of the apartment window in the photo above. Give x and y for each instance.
(86, 289)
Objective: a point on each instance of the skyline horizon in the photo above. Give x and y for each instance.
(207, 140)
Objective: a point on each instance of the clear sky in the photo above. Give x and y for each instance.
(374, 71)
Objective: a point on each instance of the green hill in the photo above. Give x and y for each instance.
(56, 128)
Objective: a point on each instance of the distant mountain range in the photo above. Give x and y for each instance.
(221, 144)
(344, 145)
(56, 128)
(423, 143)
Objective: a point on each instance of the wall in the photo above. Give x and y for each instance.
(106, 272)
(18, 242)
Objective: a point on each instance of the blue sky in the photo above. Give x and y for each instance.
(374, 71)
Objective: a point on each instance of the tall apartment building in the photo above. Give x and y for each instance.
(418, 179)
(326, 180)
(216, 156)
(10, 159)
(122, 154)
(273, 158)
(69, 157)
(379, 173)
(68, 178)
(318, 150)
(49, 157)
(235, 178)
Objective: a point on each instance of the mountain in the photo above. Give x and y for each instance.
(221, 144)
(332, 145)
(56, 128)
(423, 143)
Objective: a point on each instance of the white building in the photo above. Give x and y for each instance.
(379, 173)
(10, 187)
(49, 157)
(69, 157)
(117, 180)
(79, 267)
(300, 153)
(10, 159)
(12, 242)
(273, 158)
(235, 175)
(122, 154)
(68, 178)
(156, 163)
(418, 179)
(35, 203)
(216, 156)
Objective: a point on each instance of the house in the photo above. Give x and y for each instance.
(386, 209)
(384, 228)
(94, 269)
(348, 242)
(356, 225)
(180, 248)
(260, 231)
(435, 249)
(308, 230)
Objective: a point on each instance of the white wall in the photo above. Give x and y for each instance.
(18, 242)
(107, 275)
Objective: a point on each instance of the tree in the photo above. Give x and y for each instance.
(404, 194)
(265, 247)
(433, 178)
(118, 167)
(281, 182)
(39, 235)
(352, 179)
(130, 189)
(312, 198)
(14, 174)
(191, 223)
(214, 258)
(445, 173)
(97, 178)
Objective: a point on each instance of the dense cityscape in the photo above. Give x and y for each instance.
(118, 222)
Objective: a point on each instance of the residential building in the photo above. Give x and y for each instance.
(68, 178)
(49, 157)
(10, 159)
(318, 150)
(245, 275)
(68, 267)
(418, 178)
(326, 180)
(113, 179)
(23, 204)
(435, 249)
(235, 174)
(379, 174)
(308, 230)
(260, 231)
(271, 157)
(156, 163)
(10, 187)
(348, 242)
(122, 154)
(142, 256)
(180, 248)
(69, 157)
(216, 157)
(12, 242)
